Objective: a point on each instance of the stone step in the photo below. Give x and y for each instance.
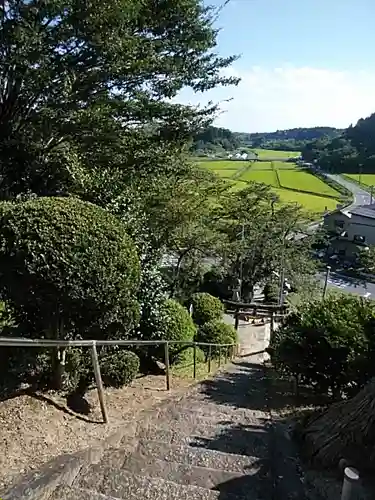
(182, 473)
(122, 484)
(70, 493)
(196, 456)
(197, 415)
(240, 441)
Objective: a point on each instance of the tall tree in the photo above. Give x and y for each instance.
(89, 85)
(261, 237)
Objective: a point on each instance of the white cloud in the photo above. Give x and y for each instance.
(287, 97)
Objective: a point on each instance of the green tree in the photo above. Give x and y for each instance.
(328, 344)
(68, 270)
(261, 237)
(83, 82)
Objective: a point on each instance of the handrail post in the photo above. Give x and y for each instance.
(225, 354)
(209, 358)
(219, 355)
(166, 360)
(351, 476)
(195, 361)
(98, 380)
(236, 318)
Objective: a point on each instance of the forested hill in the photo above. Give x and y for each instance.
(216, 140)
(352, 151)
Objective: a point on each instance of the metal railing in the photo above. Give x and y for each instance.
(230, 351)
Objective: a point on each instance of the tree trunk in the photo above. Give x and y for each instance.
(345, 430)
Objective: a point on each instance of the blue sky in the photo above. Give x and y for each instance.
(303, 63)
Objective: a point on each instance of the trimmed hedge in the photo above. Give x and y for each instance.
(119, 368)
(66, 261)
(67, 270)
(178, 326)
(216, 332)
(206, 308)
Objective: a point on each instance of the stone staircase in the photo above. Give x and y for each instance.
(217, 441)
(212, 444)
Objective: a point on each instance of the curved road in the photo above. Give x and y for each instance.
(361, 197)
(336, 279)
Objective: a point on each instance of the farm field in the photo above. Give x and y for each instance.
(294, 179)
(264, 176)
(319, 196)
(271, 153)
(366, 179)
(312, 203)
(224, 164)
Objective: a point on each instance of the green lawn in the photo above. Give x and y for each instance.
(366, 179)
(294, 179)
(264, 176)
(270, 153)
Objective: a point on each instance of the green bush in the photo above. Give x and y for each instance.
(67, 269)
(206, 308)
(328, 344)
(216, 332)
(119, 368)
(271, 292)
(178, 326)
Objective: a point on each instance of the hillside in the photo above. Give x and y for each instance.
(215, 140)
(351, 152)
(291, 139)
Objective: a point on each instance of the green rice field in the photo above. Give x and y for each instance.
(366, 179)
(271, 153)
(263, 176)
(319, 196)
(298, 179)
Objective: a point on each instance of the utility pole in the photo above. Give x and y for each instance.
(241, 263)
(326, 281)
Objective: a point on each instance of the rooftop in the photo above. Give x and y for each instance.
(367, 211)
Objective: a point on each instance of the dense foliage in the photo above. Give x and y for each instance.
(68, 268)
(328, 344)
(287, 140)
(214, 139)
(206, 308)
(216, 332)
(178, 326)
(353, 151)
(119, 368)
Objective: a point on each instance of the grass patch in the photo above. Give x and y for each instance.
(186, 370)
(262, 176)
(294, 179)
(271, 153)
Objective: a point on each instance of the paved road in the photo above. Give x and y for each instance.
(361, 197)
(349, 284)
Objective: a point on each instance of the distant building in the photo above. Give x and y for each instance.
(351, 230)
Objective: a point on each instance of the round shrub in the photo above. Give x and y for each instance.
(206, 308)
(119, 368)
(68, 266)
(178, 326)
(216, 332)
